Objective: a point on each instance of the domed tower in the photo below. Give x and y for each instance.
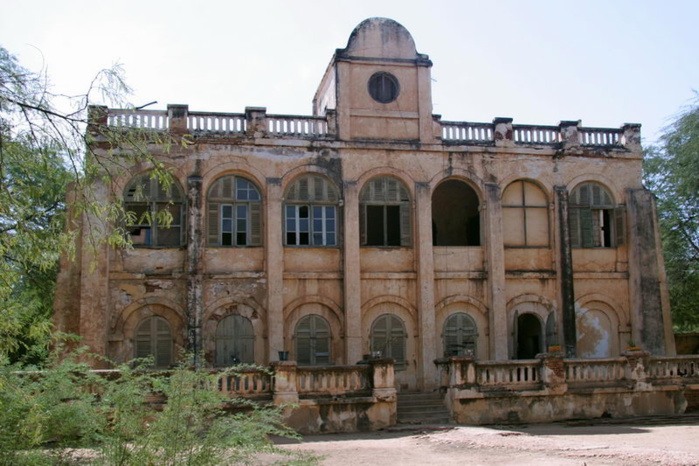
(379, 86)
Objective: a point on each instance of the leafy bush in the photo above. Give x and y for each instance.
(129, 416)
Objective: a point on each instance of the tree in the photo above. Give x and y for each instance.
(671, 171)
(44, 148)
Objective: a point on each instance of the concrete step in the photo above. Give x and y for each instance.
(422, 408)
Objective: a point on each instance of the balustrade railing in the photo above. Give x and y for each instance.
(252, 382)
(535, 134)
(510, 373)
(307, 127)
(465, 131)
(222, 123)
(601, 136)
(334, 380)
(683, 367)
(595, 370)
(289, 125)
(139, 119)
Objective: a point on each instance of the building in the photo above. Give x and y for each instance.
(373, 227)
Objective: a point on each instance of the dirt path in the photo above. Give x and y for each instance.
(550, 444)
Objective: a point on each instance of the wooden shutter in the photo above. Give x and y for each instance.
(303, 341)
(362, 225)
(587, 229)
(213, 224)
(574, 227)
(619, 225)
(397, 340)
(255, 224)
(405, 224)
(163, 352)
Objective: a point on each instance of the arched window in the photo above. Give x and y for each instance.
(310, 212)
(155, 212)
(153, 338)
(384, 213)
(594, 220)
(235, 212)
(312, 339)
(235, 340)
(388, 337)
(455, 215)
(459, 335)
(525, 215)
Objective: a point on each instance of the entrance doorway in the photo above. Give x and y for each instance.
(529, 336)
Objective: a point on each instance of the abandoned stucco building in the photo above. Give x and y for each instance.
(374, 226)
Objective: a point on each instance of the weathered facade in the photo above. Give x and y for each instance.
(374, 227)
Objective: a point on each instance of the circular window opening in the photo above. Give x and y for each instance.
(383, 87)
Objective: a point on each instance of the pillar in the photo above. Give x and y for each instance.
(274, 267)
(352, 275)
(497, 315)
(565, 272)
(425, 288)
(195, 248)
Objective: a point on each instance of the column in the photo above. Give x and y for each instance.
(352, 275)
(565, 272)
(498, 318)
(425, 288)
(274, 267)
(195, 248)
(650, 312)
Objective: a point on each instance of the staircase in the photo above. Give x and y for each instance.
(422, 408)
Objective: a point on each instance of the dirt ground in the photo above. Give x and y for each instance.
(547, 444)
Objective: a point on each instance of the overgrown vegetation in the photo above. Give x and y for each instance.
(45, 150)
(671, 171)
(69, 414)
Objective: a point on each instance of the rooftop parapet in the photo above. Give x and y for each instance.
(256, 123)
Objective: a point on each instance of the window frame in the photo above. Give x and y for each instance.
(384, 340)
(318, 196)
(234, 192)
(238, 338)
(147, 207)
(594, 220)
(524, 207)
(387, 193)
(461, 335)
(156, 339)
(383, 87)
(316, 338)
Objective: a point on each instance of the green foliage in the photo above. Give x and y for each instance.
(44, 148)
(129, 416)
(671, 171)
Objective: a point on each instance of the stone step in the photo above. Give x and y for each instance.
(422, 408)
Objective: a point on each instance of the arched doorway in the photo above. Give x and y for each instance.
(528, 336)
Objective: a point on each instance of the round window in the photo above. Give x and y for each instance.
(383, 87)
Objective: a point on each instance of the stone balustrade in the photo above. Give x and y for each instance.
(246, 382)
(256, 123)
(554, 388)
(333, 380)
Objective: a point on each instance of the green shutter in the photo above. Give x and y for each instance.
(619, 225)
(255, 224)
(405, 223)
(213, 224)
(587, 229)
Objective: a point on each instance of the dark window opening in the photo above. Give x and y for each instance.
(455, 215)
(383, 87)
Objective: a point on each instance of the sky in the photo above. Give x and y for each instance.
(605, 62)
